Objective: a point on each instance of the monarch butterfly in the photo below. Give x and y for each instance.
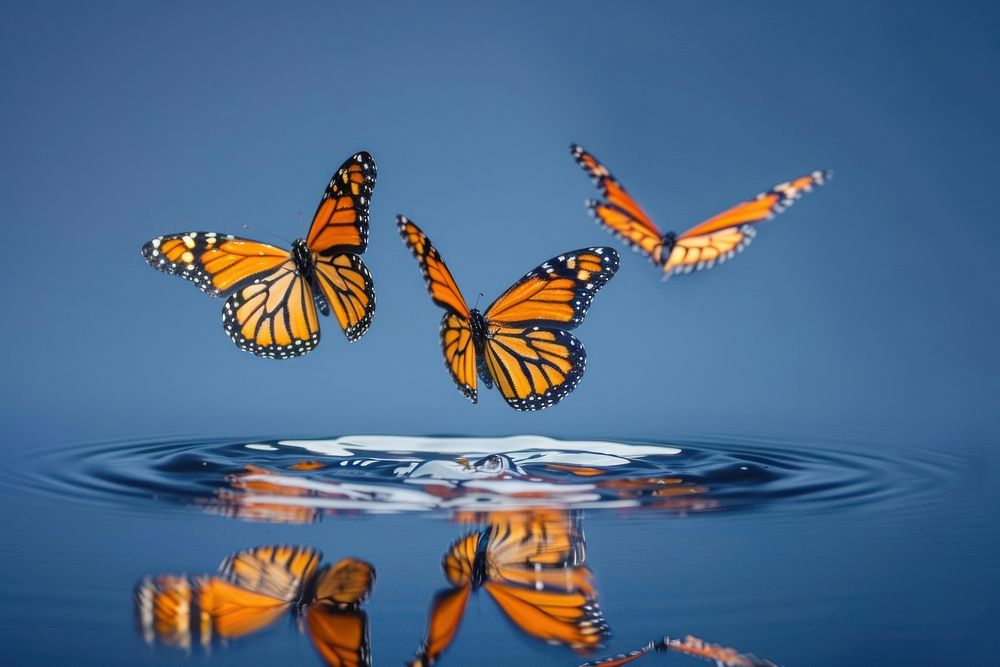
(703, 246)
(690, 645)
(272, 293)
(533, 569)
(521, 341)
(255, 588)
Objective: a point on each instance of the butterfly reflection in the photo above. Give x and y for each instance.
(690, 645)
(255, 588)
(532, 565)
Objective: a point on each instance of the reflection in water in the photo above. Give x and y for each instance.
(255, 588)
(532, 565)
(256, 493)
(690, 645)
(300, 481)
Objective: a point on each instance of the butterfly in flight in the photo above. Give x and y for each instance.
(255, 588)
(532, 565)
(703, 246)
(272, 294)
(521, 341)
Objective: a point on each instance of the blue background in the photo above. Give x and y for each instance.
(866, 314)
(871, 300)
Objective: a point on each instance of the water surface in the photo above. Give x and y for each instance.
(794, 553)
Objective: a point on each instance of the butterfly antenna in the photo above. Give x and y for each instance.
(477, 300)
(264, 231)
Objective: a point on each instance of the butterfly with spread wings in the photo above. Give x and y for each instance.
(522, 341)
(532, 566)
(272, 294)
(255, 588)
(703, 246)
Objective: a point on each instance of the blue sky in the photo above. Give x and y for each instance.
(872, 300)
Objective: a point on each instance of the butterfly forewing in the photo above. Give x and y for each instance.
(275, 570)
(558, 292)
(445, 617)
(340, 224)
(612, 190)
(440, 283)
(216, 263)
(720, 237)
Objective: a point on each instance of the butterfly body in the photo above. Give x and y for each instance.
(708, 243)
(272, 294)
(521, 341)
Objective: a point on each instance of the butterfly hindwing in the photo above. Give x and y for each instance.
(347, 287)
(216, 263)
(460, 353)
(340, 224)
(344, 584)
(534, 367)
(274, 316)
(340, 636)
(627, 228)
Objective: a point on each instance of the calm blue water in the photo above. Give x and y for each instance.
(802, 552)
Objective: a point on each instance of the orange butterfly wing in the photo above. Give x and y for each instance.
(717, 239)
(233, 611)
(340, 636)
(255, 588)
(535, 573)
(459, 565)
(166, 608)
(560, 616)
(340, 224)
(620, 214)
(622, 659)
(534, 361)
(216, 263)
(442, 625)
(274, 316)
(456, 329)
(348, 288)
(278, 571)
(345, 584)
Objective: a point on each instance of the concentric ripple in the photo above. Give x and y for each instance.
(301, 480)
